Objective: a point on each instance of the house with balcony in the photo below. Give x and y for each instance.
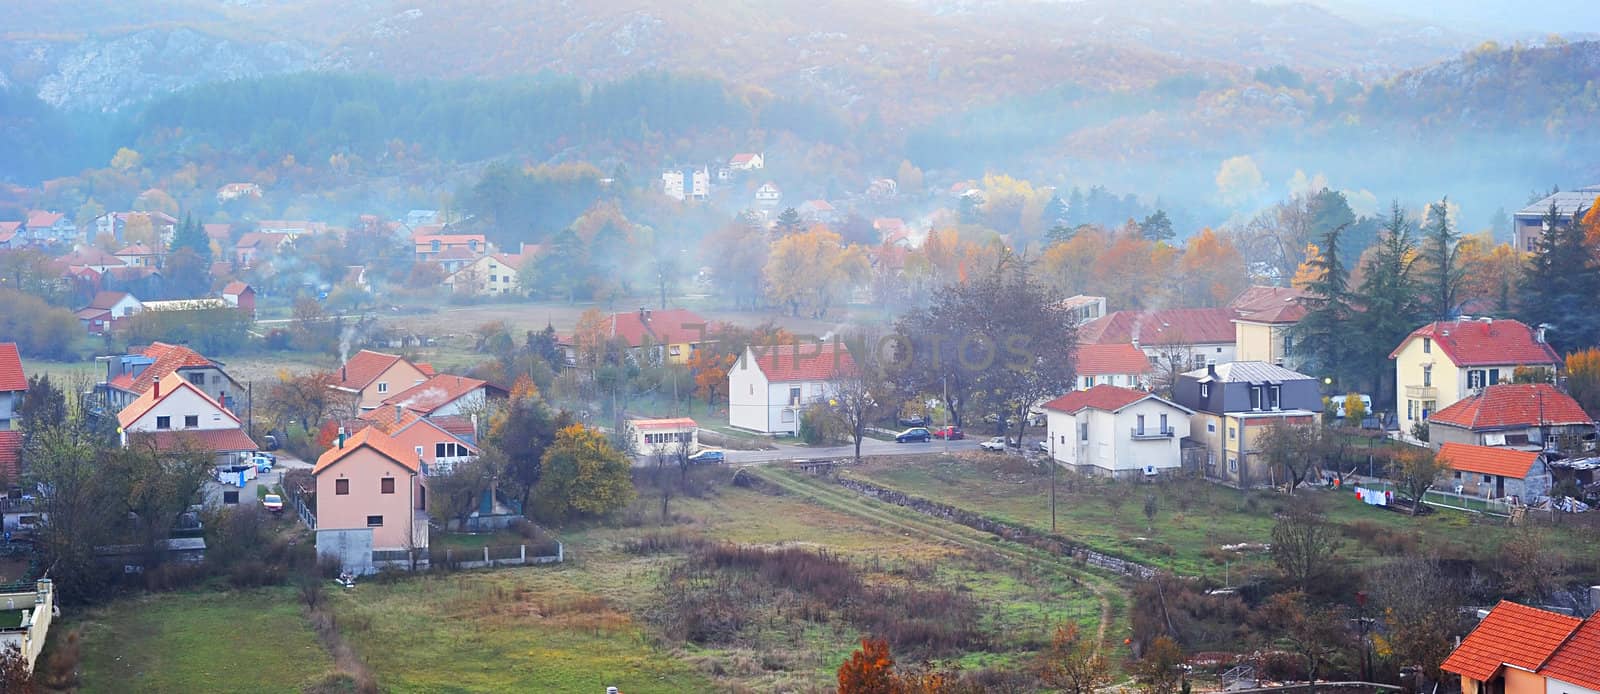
(1175, 338)
(1517, 649)
(494, 274)
(1233, 405)
(1117, 432)
(1444, 362)
(371, 377)
(1532, 416)
(175, 416)
(1120, 364)
(1495, 472)
(437, 447)
(44, 227)
(769, 387)
(371, 503)
(131, 375)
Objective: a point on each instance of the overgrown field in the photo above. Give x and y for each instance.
(739, 589)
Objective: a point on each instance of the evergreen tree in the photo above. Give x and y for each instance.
(192, 235)
(1389, 298)
(1059, 233)
(1441, 272)
(1157, 226)
(789, 222)
(1321, 337)
(1561, 283)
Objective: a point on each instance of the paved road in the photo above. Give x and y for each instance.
(786, 452)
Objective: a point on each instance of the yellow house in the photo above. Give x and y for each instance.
(1262, 328)
(1441, 363)
(490, 275)
(672, 334)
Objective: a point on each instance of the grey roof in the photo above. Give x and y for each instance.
(1249, 372)
(1567, 202)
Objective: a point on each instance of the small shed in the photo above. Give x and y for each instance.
(664, 435)
(1496, 473)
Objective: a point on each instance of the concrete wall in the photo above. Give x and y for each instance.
(30, 636)
(747, 396)
(352, 546)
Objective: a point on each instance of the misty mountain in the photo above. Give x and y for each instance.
(903, 60)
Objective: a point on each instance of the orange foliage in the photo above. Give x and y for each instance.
(1307, 273)
(1212, 269)
(711, 374)
(870, 670)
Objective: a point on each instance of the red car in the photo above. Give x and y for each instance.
(950, 432)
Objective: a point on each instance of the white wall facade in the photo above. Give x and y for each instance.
(748, 396)
(1111, 446)
(1555, 686)
(177, 405)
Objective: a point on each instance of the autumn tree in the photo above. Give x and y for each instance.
(811, 271)
(582, 475)
(1211, 270)
(1073, 663)
(1355, 410)
(1583, 379)
(305, 398)
(39, 329)
(1316, 633)
(1296, 449)
(1537, 564)
(869, 670)
(1419, 603)
(710, 371)
(1415, 470)
(737, 256)
(1160, 670)
(1304, 544)
(1441, 272)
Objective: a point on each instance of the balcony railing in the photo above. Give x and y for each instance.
(443, 466)
(1151, 433)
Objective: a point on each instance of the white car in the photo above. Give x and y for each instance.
(997, 443)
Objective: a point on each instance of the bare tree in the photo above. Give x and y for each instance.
(1073, 663)
(1416, 470)
(1420, 608)
(1304, 544)
(1172, 359)
(856, 396)
(1318, 634)
(1294, 448)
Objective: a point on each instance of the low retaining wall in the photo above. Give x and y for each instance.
(1010, 531)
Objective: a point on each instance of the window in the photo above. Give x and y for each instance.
(1427, 408)
(230, 497)
(1458, 474)
(1486, 479)
(1205, 390)
(1411, 409)
(1494, 376)
(1275, 397)
(1063, 439)
(1139, 427)
(1288, 344)
(1083, 431)
(386, 485)
(1211, 427)
(1164, 423)
(1427, 375)
(419, 453)
(1255, 397)
(1232, 433)
(675, 350)
(191, 421)
(1233, 464)
(1088, 381)
(494, 278)
(383, 387)
(197, 379)
(794, 395)
(1427, 345)
(374, 521)
(163, 422)
(752, 389)
(341, 487)
(449, 449)
(1475, 378)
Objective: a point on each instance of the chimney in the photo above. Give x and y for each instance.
(399, 412)
(1538, 333)
(343, 374)
(157, 384)
(341, 437)
(1211, 370)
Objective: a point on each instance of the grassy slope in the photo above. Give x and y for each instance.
(249, 641)
(1191, 516)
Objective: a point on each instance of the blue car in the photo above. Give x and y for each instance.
(913, 434)
(707, 457)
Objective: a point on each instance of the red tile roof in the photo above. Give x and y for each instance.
(664, 327)
(456, 425)
(1485, 343)
(218, 232)
(672, 423)
(1161, 327)
(388, 420)
(214, 440)
(106, 300)
(742, 158)
(253, 239)
(1487, 460)
(375, 439)
(91, 256)
(170, 384)
(168, 358)
(1512, 634)
(1102, 397)
(39, 219)
(1262, 298)
(11, 456)
(1118, 358)
(436, 392)
(1513, 405)
(364, 368)
(235, 288)
(1578, 660)
(136, 249)
(11, 376)
(785, 363)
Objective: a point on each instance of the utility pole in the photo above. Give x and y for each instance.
(1053, 467)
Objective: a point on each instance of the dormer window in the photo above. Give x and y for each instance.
(1255, 397)
(1205, 390)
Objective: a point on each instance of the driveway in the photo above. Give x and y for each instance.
(248, 495)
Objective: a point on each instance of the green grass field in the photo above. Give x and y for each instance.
(247, 641)
(1192, 518)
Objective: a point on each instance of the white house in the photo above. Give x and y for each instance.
(1117, 364)
(686, 184)
(1120, 432)
(664, 435)
(746, 161)
(768, 195)
(769, 387)
(176, 415)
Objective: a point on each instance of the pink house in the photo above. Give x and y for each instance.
(371, 498)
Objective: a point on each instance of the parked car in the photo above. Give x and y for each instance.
(273, 503)
(708, 457)
(1044, 446)
(913, 420)
(997, 443)
(913, 434)
(951, 433)
(263, 462)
